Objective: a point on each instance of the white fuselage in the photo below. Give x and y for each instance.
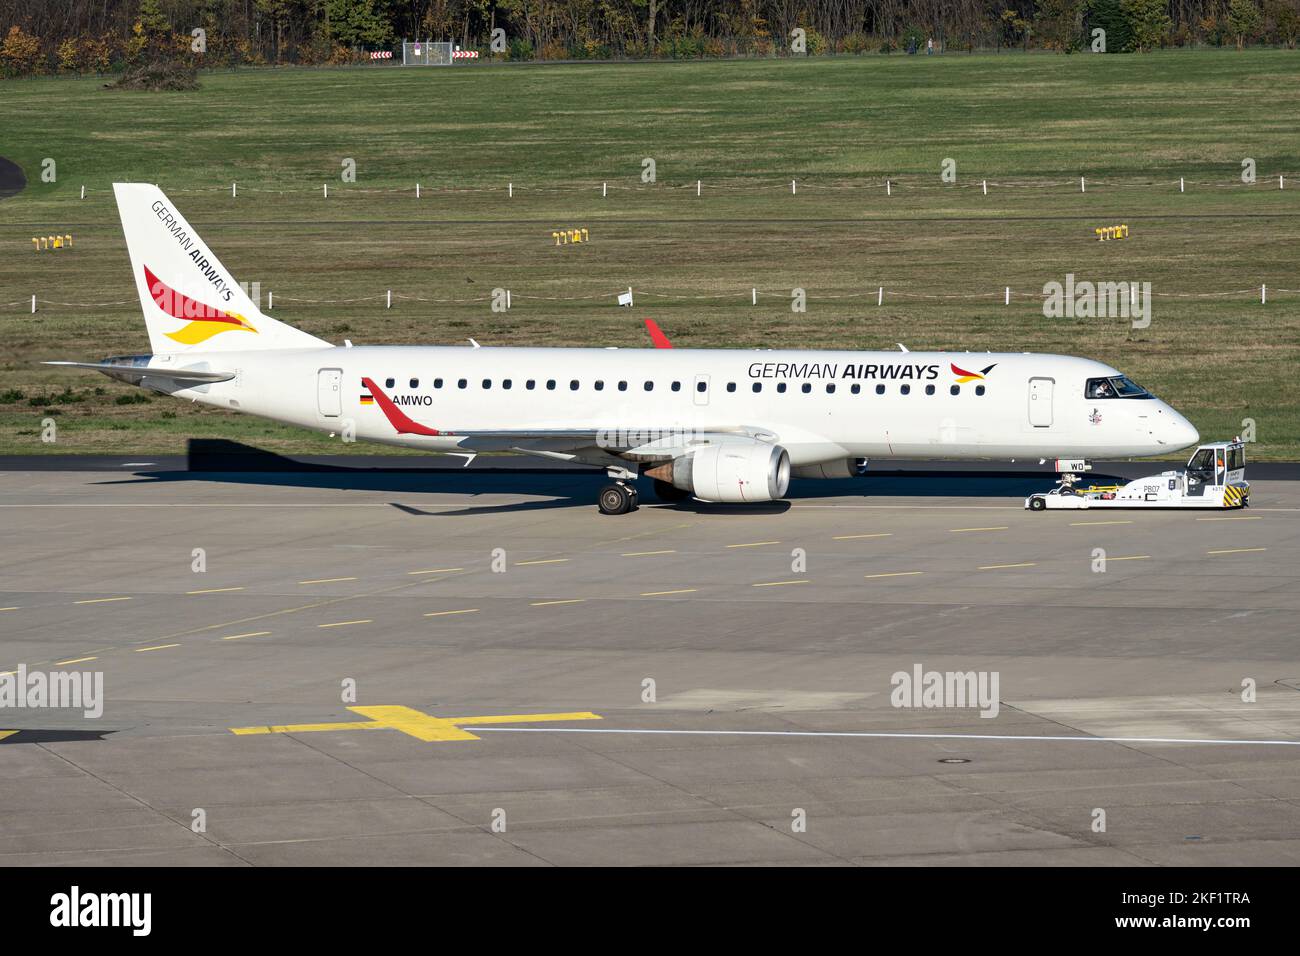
(906, 405)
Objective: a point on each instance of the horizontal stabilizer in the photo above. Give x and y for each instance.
(135, 373)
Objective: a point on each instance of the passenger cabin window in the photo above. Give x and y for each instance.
(415, 383)
(1119, 386)
(389, 382)
(780, 387)
(487, 383)
(550, 384)
(622, 386)
(731, 386)
(530, 384)
(855, 388)
(955, 390)
(505, 383)
(463, 383)
(929, 390)
(573, 385)
(677, 386)
(979, 389)
(598, 385)
(880, 390)
(701, 386)
(830, 388)
(806, 388)
(905, 389)
(437, 383)
(649, 386)
(758, 386)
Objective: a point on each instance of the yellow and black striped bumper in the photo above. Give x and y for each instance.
(1235, 496)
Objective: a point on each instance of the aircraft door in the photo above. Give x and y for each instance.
(329, 392)
(1040, 402)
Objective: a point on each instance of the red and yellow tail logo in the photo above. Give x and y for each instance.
(964, 376)
(201, 321)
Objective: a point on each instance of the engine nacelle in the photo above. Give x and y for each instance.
(839, 468)
(731, 472)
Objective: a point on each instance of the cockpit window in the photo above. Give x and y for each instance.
(1119, 386)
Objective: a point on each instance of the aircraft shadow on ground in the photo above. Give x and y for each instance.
(228, 462)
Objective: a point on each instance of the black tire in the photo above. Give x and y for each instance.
(1037, 504)
(666, 491)
(614, 500)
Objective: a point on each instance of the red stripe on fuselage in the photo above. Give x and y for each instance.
(396, 417)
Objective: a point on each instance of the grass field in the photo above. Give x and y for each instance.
(1030, 125)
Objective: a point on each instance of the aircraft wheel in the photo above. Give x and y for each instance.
(615, 500)
(1037, 504)
(666, 491)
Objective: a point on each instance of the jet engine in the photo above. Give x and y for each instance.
(729, 472)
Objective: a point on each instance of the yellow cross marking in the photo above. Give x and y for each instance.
(413, 723)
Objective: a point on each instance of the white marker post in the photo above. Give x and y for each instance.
(1182, 186)
(1281, 180)
(604, 190)
(234, 193)
(880, 296)
(417, 190)
(507, 299)
(33, 305)
(1263, 295)
(1083, 186)
(1006, 298)
(753, 296)
(510, 189)
(792, 188)
(389, 304)
(697, 187)
(326, 188)
(83, 192)
(889, 191)
(270, 301)
(986, 187)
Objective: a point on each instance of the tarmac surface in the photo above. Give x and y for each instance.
(681, 685)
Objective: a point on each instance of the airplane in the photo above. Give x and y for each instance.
(720, 425)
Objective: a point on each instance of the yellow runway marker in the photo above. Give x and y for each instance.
(468, 610)
(10, 609)
(436, 571)
(1233, 518)
(102, 600)
(549, 603)
(850, 537)
(75, 660)
(894, 574)
(662, 593)
(158, 647)
(414, 723)
(1236, 550)
(346, 623)
(1089, 524)
(995, 567)
(777, 584)
(326, 580)
(644, 554)
(1131, 557)
(521, 564)
(998, 528)
(753, 544)
(214, 591)
(237, 637)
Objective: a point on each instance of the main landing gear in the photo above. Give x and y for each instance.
(618, 498)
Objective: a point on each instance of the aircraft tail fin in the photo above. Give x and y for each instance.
(190, 300)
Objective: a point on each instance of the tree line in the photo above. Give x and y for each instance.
(81, 36)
